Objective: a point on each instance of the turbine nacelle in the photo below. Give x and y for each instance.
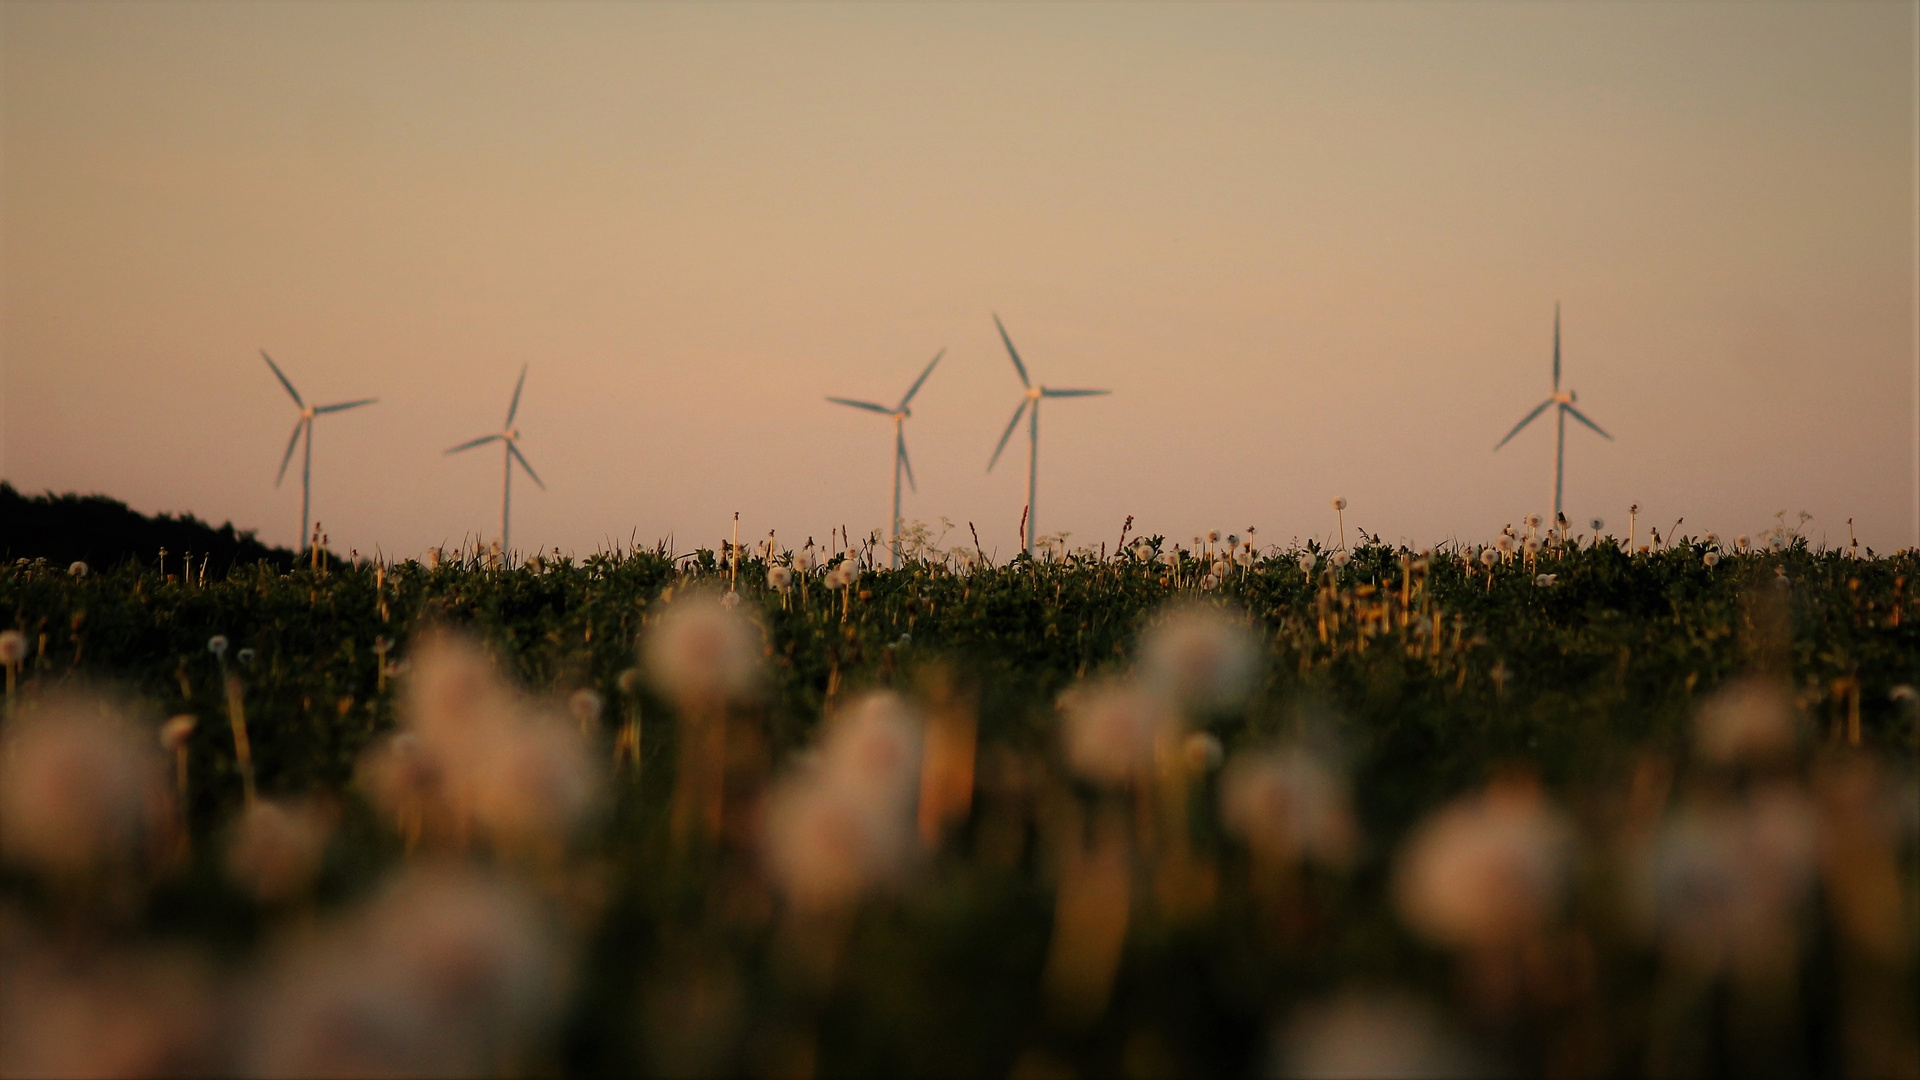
(1565, 397)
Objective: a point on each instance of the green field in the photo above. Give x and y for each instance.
(1521, 822)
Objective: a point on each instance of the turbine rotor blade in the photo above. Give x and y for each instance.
(471, 443)
(1011, 424)
(915, 388)
(1537, 410)
(1013, 352)
(522, 459)
(900, 447)
(298, 426)
(344, 405)
(1050, 392)
(514, 407)
(278, 374)
(867, 405)
(1582, 417)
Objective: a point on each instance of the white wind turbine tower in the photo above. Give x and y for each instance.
(509, 435)
(1564, 399)
(899, 414)
(305, 426)
(1034, 395)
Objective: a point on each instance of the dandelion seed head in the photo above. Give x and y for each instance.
(1543, 580)
(585, 705)
(13, 647)
(779, 579)
(1199, 658)
(1710, 558)
(1487, 871)
(1488, 556)
(1748, 721)
(1358, 1035)
(276, 848)
(1742, 543)
(1340, 558)
(82, 790)
(77, 570)
(702, 654)
(1597, 524)
(1289, 806)
(1306, 562)
(1533, 521)
(217, 645)
(1110, 728)
(446, 971)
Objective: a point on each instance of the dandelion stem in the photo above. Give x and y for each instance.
(243, 750)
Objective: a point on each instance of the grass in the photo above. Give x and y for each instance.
(1426, 672)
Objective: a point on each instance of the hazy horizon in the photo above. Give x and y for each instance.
(1314, 250)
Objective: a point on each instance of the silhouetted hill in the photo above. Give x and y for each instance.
(103, 532)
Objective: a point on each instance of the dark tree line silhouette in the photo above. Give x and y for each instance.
(104, 532)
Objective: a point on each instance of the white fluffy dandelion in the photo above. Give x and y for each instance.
(1200, 658)
(702, 654)
(1306, 562)
(779, 579)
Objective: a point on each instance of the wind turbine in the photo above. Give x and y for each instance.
(1564, 399)
(899, 413)
(509, 435)
(1034, 395)
(304, 426)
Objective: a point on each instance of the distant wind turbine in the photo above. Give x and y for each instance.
(899, 413)
(1565, 400)
(305, 426)
(1034, 395)
(509, 435)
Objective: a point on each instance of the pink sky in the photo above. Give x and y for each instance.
(1314, 249)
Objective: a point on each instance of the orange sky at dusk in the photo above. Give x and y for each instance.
(1314, 249)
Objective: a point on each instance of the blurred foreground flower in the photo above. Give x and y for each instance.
(1384, 1037)
(1112, 727)
(845, 823)
(1725, 881)
(83, 792)
(473, 754)
(1488, 871)
(705, 657)
(1290, 808)
(276, 848)
(702, 655)
(73, 1013)
(1748, 722)
(447, 972)
(1200, 657)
